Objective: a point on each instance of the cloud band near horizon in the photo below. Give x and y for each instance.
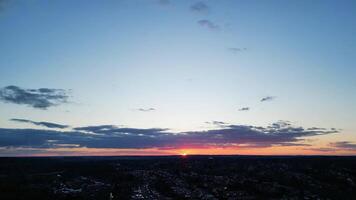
(110, 136)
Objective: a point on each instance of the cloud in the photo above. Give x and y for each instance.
(244, 109)
(316, 128)
(334, 146)
(45, 124)
(102, 138)
(199, 7)
(283, 123)
(268, 98)
(208, 24)
(237, 50)
(42, 98)
(344, 145)
(95, 128)
(110, 136)
(114, 130)
(322, 149)
(217, 123)
(37, 138)
(279, 133)
(146, 109)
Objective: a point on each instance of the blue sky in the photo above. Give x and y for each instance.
(117, 59)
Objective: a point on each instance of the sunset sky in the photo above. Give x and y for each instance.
(165, 77)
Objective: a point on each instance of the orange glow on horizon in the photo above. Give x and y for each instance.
(184, 154)
(277, 150)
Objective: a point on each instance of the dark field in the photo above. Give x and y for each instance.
(193, 177)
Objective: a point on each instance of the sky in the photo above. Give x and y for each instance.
(165, 77)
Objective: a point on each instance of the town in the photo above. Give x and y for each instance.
(179, 177)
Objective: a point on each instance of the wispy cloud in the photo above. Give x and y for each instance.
(217, 123)
(322, 149)
(145, 109)
(110, 136)
(115, 130)
(283, 123)
(244, 109)
(208, 24)
(45, 124)
(41, 98)
(268, 98)
(200, 7)
(316, 128)
(344, 145)
(237, 50)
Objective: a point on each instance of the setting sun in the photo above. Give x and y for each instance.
(184, 154)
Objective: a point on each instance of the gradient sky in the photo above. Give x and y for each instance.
(205, 74)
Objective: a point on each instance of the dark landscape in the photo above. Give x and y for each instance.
(179, 177)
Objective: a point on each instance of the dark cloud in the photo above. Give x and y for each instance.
(217, 123)
(109, 136)
(316, 128)
(282, 123)
(267, 98)
(42, 98)
(334, 146)
(45, 124)
(237, 50)
(322, 149)
(244, 109)
(146, 109)
(95, 128)
(114, 130)
(344, 145)
(38, 138)
(200, 7)
(276, 134)
(101, 138)
(208, 24)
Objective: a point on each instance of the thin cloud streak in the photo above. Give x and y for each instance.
(268, 98)
(208, 24)
(237, 50)
(217, 123)
(244, 109)
(344, 145)
(146, 109)
(45, 124)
